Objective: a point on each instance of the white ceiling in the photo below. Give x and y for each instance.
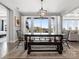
(52, 6)
(3, 11)
(72, 15)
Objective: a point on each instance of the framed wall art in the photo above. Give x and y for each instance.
(17, 21)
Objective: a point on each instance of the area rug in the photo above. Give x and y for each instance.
(19, 53)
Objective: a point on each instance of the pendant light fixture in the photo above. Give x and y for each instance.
(42, 12)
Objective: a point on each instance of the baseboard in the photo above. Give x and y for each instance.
(14, 41)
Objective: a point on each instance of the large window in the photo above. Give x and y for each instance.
(40, 25)
(71, 20)
(71, 24)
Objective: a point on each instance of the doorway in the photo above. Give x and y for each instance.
(3, 23)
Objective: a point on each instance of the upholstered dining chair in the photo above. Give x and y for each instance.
(20, 37)
(66, 37)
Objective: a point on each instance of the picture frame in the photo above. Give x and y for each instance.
(17, 21)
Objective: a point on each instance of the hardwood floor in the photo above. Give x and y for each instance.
(9, 51)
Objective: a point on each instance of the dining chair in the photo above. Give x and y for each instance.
(20, 37)
(66, 37)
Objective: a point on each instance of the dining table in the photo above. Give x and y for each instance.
(43, 39)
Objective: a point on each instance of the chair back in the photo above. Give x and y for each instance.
(19, 34)
(66, 35)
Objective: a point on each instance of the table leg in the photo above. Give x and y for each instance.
(29, 49)
(25, 45)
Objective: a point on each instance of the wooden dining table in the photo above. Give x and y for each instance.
(36, 39)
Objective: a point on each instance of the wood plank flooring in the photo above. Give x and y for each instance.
(19, 53)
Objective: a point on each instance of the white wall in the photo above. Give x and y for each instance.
(23, 23)
(12, 26)
(17, 14)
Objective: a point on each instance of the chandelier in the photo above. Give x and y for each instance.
(42, 12)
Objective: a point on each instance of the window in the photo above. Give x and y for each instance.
(71, 24)
(40, 25)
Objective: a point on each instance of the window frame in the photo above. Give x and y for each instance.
(49, 24)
